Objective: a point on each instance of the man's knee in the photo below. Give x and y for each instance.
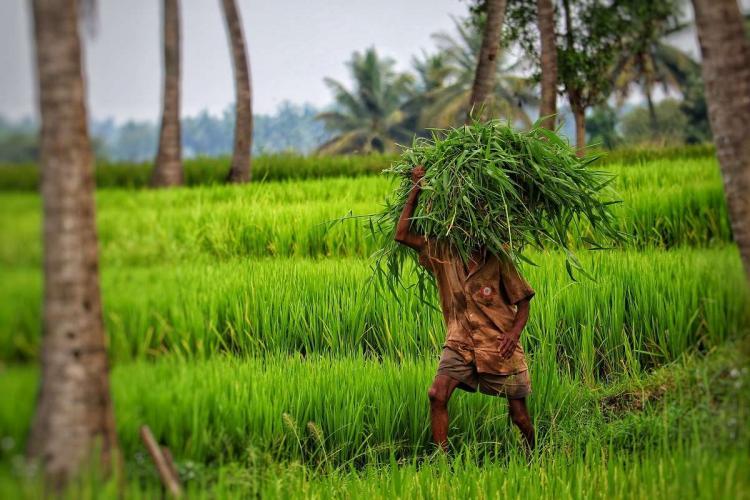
(438, 395)
(520, 417)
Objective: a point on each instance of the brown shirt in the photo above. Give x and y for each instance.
(479, 306)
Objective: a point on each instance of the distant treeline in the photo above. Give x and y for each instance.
(276, 167)
(293, 128)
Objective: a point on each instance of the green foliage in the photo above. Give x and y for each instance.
(489, 186)
(659, 65)
(386, 108)
(604, 47)
(587, 48)
(521, 28)
(179, 275)
(590, 36)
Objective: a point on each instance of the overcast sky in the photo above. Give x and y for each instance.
(293, 45)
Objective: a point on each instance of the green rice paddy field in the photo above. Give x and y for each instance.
(244, 332)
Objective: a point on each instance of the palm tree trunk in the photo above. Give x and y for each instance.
(726, 75)
(568, 24)
(74, 413)
(579, 114)
(651, 108)
(574, 95)
(484, 78)
(546, 22)
(241, 169)
(168, 167)
(648, 84)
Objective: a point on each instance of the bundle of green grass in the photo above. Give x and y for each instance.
(488, 185)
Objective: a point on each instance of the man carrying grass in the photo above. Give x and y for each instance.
(485, 304)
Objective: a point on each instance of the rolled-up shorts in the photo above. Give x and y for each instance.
(453, 365)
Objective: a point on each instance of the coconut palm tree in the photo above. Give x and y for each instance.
(545, 11)
(74, 413)
(243, 125)
(450, 103)
(486, 68)
(369, 117)
(168, 165)
(726, 75)
(648, 61)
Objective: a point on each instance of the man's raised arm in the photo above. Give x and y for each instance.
(404, 234)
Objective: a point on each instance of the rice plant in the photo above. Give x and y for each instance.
(328, 411)
(645, 309)
(666, 205)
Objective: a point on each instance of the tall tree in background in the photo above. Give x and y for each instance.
(726, 75)
(74, 413)
(646, 60)
(484, 79)
(548, 62)
(241, 169)
(168, 166)
(592, 37)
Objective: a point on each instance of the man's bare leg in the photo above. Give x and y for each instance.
(519, 414)
(440, 393)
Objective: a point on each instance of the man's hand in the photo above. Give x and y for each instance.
(508, 344)
(509, 340)
(417, 173)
